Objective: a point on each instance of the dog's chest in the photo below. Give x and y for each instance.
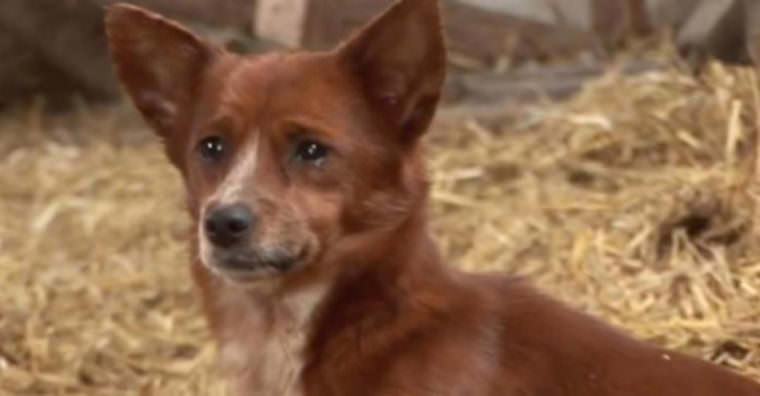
(262, 345)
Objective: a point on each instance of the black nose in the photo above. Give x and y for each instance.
(228, 225)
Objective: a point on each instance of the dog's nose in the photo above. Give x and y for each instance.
(228, 225)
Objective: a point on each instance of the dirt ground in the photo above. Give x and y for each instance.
(634, 201)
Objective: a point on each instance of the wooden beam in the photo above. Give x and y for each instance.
(546, 82)
(716, 28)
(233, 14)
(473, 32)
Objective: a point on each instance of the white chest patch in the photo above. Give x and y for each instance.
(262, 348)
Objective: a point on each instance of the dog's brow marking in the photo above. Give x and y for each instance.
(241, 173)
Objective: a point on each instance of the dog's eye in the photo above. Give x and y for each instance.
(212, 148)
(312, 152)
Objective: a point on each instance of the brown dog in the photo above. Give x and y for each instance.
(318, 273)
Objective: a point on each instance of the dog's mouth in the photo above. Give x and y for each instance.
(248, 265)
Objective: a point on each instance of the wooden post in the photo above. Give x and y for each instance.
(615, 20)
(281, 21)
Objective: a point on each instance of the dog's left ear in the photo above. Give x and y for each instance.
(400, 60)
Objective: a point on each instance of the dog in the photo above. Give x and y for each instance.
(306, 184)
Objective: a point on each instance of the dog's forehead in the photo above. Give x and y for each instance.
(276, 71)
(262, 88)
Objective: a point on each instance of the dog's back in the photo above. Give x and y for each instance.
(488, 335)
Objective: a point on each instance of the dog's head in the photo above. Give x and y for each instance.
(286, 155)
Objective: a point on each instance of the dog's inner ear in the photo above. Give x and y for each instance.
(160, 63)
(400, 60)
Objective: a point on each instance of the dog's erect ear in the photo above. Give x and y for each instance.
(400, 59)
(160, 63)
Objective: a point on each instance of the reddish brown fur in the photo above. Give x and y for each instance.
(368, 308)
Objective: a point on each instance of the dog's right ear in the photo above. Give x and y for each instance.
(160, 63)
(400, 60)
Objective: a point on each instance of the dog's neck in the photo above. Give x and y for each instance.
(389, 251)
(393, 291)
